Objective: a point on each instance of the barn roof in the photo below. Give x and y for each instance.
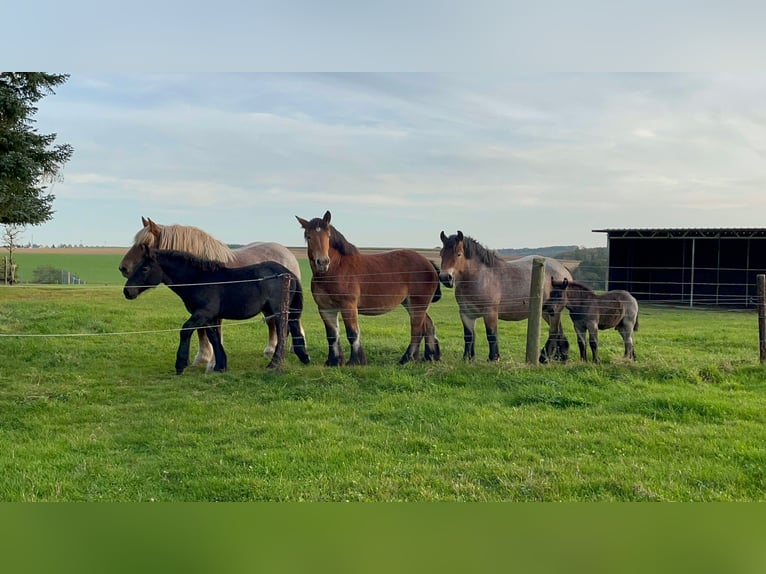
(690, 232)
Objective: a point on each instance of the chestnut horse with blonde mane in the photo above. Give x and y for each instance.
(197, 242)
(349, 282)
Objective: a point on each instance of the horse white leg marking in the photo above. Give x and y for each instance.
(205, 354)
(356, 346)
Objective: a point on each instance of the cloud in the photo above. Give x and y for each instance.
(572, 152)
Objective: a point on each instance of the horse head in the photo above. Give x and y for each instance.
(557, 299)
(317, 234)
(452, 258)
(149, 234)
(145, 275)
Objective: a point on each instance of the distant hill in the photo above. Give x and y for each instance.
(551, 251)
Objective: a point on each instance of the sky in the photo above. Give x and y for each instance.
(520, 159)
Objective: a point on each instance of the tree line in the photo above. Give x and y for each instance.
(29, 160)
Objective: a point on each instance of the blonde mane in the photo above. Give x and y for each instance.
(188, 239)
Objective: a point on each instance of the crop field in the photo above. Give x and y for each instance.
(93, 411)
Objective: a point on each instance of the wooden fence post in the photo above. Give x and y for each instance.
(535, 310)
(761, 281)
(284, 312)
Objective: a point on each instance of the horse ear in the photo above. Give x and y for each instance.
(303, 222)
(459, 235)
(326, 217)
(154, 229)
(145, 249)
(443, 237)
(144, 221)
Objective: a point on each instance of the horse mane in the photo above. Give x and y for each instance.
(475, 250)
(578, 285)
(340, 243)
(206, 265)
(188, 239)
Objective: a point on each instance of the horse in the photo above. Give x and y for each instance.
(592, 312)
(488, 286)
(212, 292)
(352, 283)
(198, 242)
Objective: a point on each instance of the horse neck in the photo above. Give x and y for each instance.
(473, 267)
(177, 271)
(577, 296)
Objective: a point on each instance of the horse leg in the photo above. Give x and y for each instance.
(469, 330)
(182, 354)
(221, 361)
(557, 345)
(490, 323)
(432, 352)
(205, 353)
(335, 351)
(277, 357)
(593, 340)
(580, 332)
(417, 315)
(351, 321)
(299, 340)
(271, 345)
(626, 331)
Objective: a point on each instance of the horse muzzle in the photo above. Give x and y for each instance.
(447, 279)
(131, 293)
(322, 264)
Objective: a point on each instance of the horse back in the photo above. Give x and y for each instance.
(262, 252)
(247, 291)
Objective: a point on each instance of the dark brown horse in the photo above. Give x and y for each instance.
(199, 243)
(488, 286)
(348, 282)
(591, 312)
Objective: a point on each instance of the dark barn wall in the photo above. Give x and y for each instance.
(690, 267)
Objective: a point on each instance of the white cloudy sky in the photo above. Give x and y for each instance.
(492, 139)
(515, 160)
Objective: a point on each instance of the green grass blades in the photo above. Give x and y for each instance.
(92, 410)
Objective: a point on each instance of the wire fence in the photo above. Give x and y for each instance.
(725, 296)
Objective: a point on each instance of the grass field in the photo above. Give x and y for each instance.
(95, 268)
(92, 410)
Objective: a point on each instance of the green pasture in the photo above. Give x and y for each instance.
(92, 410)
(94, 269)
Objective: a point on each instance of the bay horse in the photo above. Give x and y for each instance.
(591, 312)
(490, 287)
(349, 282)
(201, 244)
(212, 292)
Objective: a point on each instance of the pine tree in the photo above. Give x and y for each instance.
(28, 160)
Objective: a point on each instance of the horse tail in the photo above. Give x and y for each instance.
(635, 325)
(438, 293)
(296, 302)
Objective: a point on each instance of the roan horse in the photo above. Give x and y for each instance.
(199, 243)
(488, 286)
(350, 282)
(592, 312)
(212, 292)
